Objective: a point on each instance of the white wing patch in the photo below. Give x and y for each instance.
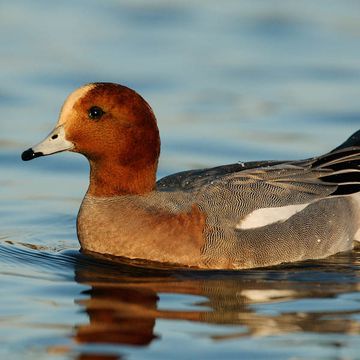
(357, 236)
(262, 217)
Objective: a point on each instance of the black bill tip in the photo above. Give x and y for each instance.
(29, 154)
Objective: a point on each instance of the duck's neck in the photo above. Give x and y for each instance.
(109, 178)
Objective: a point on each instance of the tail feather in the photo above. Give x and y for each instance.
(343, 165)
(343, 177)
(353, 140)
(347, 189)
(341, 159)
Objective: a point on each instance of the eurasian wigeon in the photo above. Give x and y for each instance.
(235, 216)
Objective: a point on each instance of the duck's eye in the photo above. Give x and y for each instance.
(95, 113)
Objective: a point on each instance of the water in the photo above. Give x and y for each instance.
(228, 81)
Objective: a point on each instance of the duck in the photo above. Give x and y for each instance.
(237, 216)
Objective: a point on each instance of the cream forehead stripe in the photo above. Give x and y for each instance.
(56, 141)
(71, 101)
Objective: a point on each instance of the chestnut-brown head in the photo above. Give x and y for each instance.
(116, 130)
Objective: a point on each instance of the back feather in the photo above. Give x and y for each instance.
(335, 173)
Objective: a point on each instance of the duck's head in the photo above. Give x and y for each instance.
(115, 129)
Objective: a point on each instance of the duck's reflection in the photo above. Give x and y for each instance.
(118, 315)
(123, 303)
